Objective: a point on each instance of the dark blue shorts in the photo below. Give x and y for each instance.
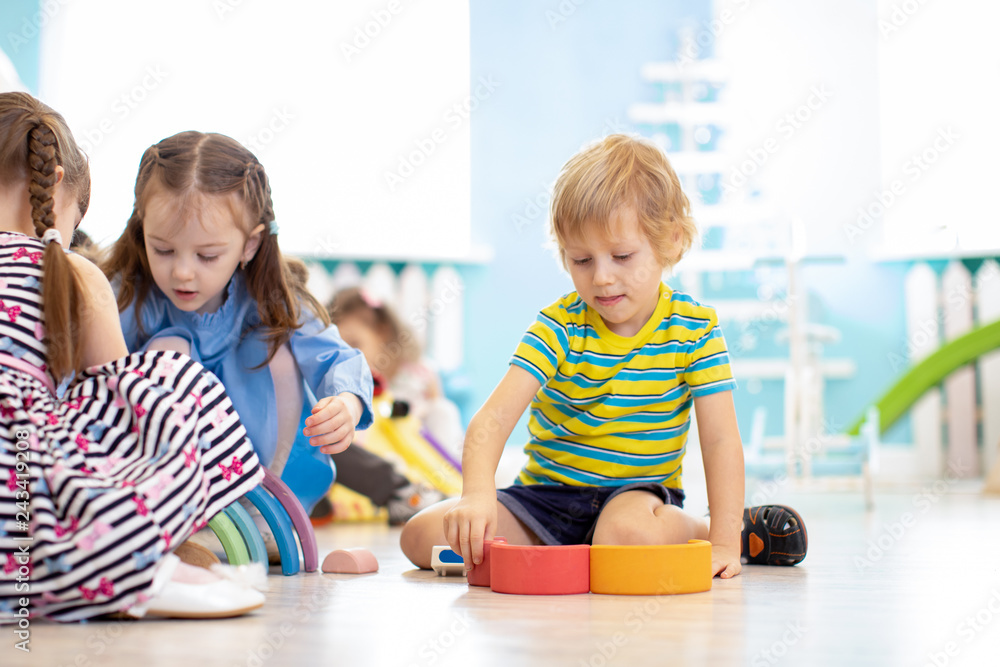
(560, 514)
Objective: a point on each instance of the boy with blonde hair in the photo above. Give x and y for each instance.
(611, 372)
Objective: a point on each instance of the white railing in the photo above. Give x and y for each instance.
(956, 426)
(430, 303)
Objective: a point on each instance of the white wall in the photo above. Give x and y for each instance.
(803, 87)
(332, 97)
(901, 156)
(940, 140)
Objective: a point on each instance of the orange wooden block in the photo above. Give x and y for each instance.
(651, 570)
(539, 570)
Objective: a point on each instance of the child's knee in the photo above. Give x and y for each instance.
(621, 532)
(424, 530)
(666, 524)
(410, 541)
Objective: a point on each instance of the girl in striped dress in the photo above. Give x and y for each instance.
(98, 485)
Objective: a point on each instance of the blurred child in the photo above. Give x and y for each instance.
(198, 270)
(392, 353)
(83, 245)
(611, 372)
(101, 486)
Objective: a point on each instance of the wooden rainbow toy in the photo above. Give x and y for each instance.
(612, 570)
(300, 520)
(282, 511)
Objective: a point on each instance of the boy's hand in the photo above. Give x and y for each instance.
(472, 520)
(331, 425)
(726, 560)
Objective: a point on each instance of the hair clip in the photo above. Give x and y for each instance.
(369, 300)
(274, 227)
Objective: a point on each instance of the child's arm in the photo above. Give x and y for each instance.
(474, 518)
(722, 452)
(101, 328)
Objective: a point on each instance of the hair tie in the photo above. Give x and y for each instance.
(273, 226)
(52, 234)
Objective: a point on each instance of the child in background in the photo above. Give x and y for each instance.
(375, 330)
(84, 246)
(392, 352)
(198, 270)
(611, 372)
(99, 487)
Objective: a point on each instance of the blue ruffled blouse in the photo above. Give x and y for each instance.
(230, 343)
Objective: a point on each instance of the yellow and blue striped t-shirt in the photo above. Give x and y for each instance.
(613, 410)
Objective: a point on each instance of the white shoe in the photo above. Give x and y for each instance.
(218, 599)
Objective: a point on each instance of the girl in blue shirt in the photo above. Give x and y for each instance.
(198, 270)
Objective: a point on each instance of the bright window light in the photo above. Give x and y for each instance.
(359, 111)
(939, 134)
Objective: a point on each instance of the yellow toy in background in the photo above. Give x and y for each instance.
(350, 505)
(403, 441)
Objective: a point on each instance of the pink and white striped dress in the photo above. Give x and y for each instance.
(96, 486)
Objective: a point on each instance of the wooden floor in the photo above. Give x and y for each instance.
(914, 582)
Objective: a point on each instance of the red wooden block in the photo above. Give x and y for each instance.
(540, 570)
(479, 575)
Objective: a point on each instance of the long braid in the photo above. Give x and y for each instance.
(42, 168)
(61, 297)
(36, 147)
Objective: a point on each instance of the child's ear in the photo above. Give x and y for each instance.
(676, 248)
(253, 243)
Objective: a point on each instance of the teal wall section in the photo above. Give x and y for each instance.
(20, 27)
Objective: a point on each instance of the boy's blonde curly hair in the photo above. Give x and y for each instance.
(621, 171)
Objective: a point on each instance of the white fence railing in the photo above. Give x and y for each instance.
(956, 426)
(430, 303)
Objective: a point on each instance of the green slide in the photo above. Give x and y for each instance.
(931, 372)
